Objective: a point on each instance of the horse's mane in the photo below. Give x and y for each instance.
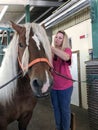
(42, 37)
(41, 33)
(9, 64)
(8, 70)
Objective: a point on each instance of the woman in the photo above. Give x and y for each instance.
(62, 88)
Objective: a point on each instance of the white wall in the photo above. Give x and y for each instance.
(75, 75)
(83, 45)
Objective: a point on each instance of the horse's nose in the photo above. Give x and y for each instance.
(37, 83)
(41, 89)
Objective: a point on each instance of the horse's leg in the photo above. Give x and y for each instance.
(3, 127)
(24, 120)
(3, 123)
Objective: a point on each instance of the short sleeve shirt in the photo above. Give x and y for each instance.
(62, 67)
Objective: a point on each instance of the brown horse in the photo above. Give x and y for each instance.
(28, 54)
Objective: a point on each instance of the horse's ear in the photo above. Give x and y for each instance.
(43, 25)
(16, 27)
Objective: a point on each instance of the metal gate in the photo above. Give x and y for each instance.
(92, 93)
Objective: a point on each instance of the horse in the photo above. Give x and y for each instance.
(28, 57)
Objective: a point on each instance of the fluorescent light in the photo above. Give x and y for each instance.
(3, 12)
(64, 12)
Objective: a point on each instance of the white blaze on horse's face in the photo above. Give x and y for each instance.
(47, 84)
(37, 41)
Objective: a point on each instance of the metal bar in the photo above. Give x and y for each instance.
(8, 29)
(13, 2)
(43, 14)
(69, 14)
(40, 3)
(46, 12)
(24, 15)
(68, 5)
(35, 3)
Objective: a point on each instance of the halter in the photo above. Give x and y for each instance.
(29, 65)
(34, 62)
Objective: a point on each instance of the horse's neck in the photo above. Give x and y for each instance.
(23, 84)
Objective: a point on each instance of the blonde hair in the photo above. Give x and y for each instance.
(65, 43)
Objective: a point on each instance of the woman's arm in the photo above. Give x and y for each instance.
(60, 53)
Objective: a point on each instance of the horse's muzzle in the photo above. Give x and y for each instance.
(37, 86)
(42, 95)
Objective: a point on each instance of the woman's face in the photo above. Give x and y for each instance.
(58, 40)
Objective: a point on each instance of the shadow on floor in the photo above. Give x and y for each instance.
(43, 118)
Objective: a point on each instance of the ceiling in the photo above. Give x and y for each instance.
(39, 10)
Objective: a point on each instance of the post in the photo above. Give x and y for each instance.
(27, 11)
(8, 37)
(92, 70)
(94, 18)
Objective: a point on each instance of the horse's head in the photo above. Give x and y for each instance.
(34, 54)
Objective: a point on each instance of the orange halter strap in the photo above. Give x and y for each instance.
(34, 62)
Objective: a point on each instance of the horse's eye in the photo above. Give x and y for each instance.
(20, 45)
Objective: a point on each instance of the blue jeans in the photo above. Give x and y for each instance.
(61, 105)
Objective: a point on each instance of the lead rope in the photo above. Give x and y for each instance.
(63, 76)
(57, 73)
(16, 77)
(29, 65)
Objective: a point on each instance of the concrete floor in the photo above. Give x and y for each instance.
(43, 118)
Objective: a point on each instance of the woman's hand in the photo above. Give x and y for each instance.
(60, 53)
(53, 49)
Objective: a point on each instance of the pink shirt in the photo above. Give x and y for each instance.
(62, 67)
